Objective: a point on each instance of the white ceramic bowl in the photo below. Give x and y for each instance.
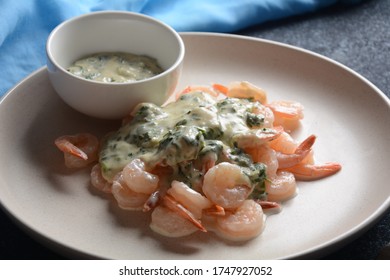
(113, 31)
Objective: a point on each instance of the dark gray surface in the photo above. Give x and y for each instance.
(358, 37)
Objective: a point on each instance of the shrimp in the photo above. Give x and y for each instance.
(226, 185)
(138, 179)
(281, 187)
(127, 198)
(309, 172)
(301, 161)
(284, 143)
(300, 153)
(209, 90)
(287, 113)
(241, 224)
(152, 201)
(170, 223)
(256, 137)
(181, 205)
(269, 207)
(133, 186)
(269, 117)
(79, 149)
(267, 156)
(178, 208)
(243, 89)
(98, 181)
(214, 210)
(190, 199)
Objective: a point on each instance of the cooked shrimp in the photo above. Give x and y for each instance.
(170, 223)
(309, 172)
(138, 179)
(243, 89)
(127, 198)
(269, 118)
(210, 90)
(284, 143)
(190, 199)
(287, 113)
(267, 156)
(98, 181)
(208, 161)
(281, 187)
(226, 185)
(180, 212)
(241, 224)
(152, 201)
(79, 149)
(288, 160)
(269, 207)
(256, 137)
(181, 202)
(172, 204)
(214, 210)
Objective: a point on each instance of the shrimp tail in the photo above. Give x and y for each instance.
(175, 206)
(309, 172)
(221, 88)
(289, 160)
(269, 207)
(267, 204)
(306, 144)
(215, 210)
(67, 147)
(152, 201)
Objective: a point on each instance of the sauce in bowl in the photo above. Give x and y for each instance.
(115, 67)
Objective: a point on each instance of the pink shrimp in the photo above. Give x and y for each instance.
(269, 207)
(210, 90)
(309, 172)
(172, 204)
(225, 184)
(242, 89)
(170, 223)
(281, 187)
(241, 224)
(181, 206)
(267, 156)
(98, 181)
(127, 198)
(194, 201)
(288, 160)
(256, 137)
(287, 113)
(79, 149)
(284, 143)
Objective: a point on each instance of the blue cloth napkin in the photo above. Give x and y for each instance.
(26, 24)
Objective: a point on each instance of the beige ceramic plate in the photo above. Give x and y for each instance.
(348, 114)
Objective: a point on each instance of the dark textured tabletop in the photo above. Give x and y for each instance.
(358, 37)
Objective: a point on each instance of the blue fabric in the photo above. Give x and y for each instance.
(26, 24)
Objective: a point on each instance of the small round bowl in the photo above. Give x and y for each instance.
(113, 31)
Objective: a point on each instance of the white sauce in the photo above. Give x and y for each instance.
(188, 131)
(115, 67)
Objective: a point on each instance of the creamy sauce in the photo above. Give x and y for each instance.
(184, 135)
(115, 67)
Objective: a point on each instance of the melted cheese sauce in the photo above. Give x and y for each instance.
(115, 67)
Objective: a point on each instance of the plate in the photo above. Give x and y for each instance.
(350, 116)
